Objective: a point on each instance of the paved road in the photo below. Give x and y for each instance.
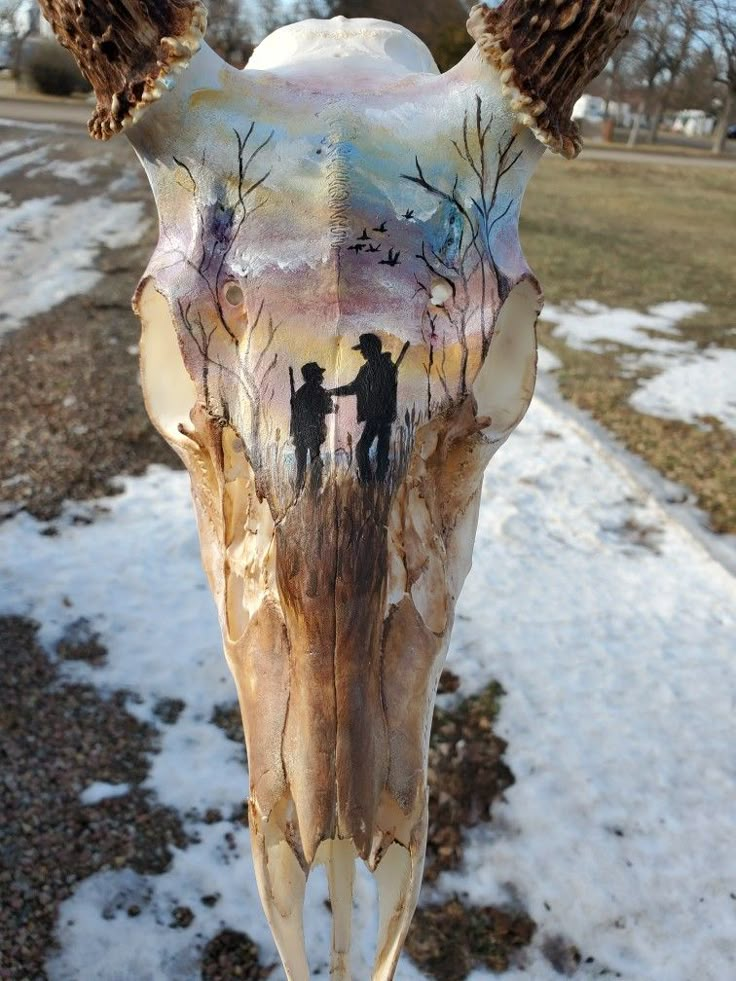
(654, 159)
(68, 114)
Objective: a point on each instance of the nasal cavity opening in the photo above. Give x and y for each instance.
(504, 385)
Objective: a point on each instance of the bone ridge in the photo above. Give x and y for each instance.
(340, 37)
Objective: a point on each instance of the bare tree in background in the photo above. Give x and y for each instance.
(439, 23)
(229, 31)
(683, 53)
(618, 75)
(17, 22)
(697, 87)
(666, 41)
(272, 15)
(14, 19)
(722, 29)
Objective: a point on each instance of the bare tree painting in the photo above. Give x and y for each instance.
(463, 270)
(237, 356)
(226, 340)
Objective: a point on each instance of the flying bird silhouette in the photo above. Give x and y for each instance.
(381, 228)
(393, 258)
(358, 247)
(365, 237)
(409, 213)
(374, 248)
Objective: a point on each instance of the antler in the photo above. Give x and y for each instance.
(128, 50)
(547, 51)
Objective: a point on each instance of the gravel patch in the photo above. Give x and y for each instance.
(232, 954)
(168, 710)
(228, 718)
(80, 642)
(71, 407)
(449, 941)
(56, 740)
(466, 774)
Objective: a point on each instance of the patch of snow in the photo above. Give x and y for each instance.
(546, 360)
(689, 383)
(79, 171)
(132, 179)
(19, 478)
(19, 161)
(610, 628)
(617, 653)
(49, 249)
(162, 637)
(103, 791)
(704, 385)
(96, 928)
(676, 310)
(588, 325)
(24, 124)
(8, 148)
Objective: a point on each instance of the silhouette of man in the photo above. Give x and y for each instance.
(375, 388)
(309, 406)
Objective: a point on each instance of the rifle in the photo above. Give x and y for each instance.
(291, 382)
(400, 358)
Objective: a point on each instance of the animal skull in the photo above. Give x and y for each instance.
(338, 333)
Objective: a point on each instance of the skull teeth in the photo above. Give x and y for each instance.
(281, 883)
(282, 880)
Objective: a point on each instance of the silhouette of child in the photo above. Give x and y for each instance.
(309, 406)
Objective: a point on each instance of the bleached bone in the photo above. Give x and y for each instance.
(338, 193)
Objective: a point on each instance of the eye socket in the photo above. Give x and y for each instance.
(234, 294)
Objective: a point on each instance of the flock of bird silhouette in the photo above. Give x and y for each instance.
(366, 244)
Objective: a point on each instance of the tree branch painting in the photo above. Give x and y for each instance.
(464, 270)
(215, 319)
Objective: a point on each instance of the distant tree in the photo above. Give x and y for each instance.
(722, 30)
(697, 87)
(13, 18)
(51, 69)
(667, 35)
(229, 31)
(16, 24)
(272, 14)
(618, 78)
(450, 44)
(310, 8)
(439, 23)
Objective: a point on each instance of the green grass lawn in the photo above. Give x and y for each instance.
(634, 235)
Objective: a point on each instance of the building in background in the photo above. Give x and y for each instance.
(693, 122)
(595, 108)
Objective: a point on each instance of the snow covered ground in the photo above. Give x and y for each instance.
(602, 610)
(701, 385)
(688, 383)
(612, 630)
(49, 243)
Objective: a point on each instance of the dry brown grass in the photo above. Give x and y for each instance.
(634, 235)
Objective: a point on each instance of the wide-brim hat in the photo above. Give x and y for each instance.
(312, 370)
(367, 341)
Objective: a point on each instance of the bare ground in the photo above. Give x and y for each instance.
(71, 408)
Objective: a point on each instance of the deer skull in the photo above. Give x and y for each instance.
(338, 333)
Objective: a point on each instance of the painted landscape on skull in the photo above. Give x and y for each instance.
(326, 322)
